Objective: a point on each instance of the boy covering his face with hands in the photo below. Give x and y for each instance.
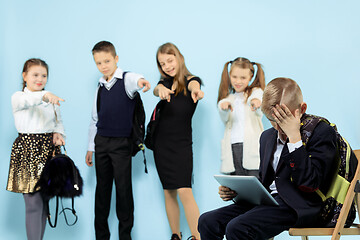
(289, 170)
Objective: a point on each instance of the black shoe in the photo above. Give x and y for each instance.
(192, 237)
(175, 237)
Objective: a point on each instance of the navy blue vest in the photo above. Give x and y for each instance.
(115, 111)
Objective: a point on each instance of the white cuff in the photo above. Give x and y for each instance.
(293, 146)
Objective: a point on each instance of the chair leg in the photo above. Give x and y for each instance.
(357, 203)
(304, 238)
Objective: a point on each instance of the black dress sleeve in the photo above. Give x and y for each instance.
(195, 79)
(167, 82)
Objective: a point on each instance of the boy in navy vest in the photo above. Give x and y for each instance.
(109, 137)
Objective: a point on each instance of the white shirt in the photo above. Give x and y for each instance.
(279, 147)
(131, 86)
(238, 114)
(237, 130)
(33, 115)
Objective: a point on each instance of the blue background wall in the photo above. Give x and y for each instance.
(314, 42)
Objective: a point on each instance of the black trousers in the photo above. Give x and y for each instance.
(113, 162)
(243, 221)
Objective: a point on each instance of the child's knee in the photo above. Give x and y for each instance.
(237, 230)
(206, 222)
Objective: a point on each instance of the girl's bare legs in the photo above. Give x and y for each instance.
(172, 210)
(191, 210)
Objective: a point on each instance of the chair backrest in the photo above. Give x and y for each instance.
(357, 154)
(348, 201)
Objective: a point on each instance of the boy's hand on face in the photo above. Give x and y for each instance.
(288, 122)
(142, 83)
(226, 193)
(226, 106)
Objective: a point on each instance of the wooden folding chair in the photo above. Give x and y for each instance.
(353, 193)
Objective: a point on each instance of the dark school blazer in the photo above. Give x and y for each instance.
(300, 173)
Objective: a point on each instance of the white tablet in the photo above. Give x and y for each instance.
(248, 188)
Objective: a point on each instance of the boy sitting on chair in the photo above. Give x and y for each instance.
(289, 170)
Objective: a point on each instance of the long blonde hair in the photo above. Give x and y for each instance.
(181, 76)
(225, 87)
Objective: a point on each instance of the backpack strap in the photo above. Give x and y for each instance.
(56, 212)
(307, 126)
(143, 151)
(72, 209)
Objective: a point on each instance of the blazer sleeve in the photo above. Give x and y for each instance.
(313, 165)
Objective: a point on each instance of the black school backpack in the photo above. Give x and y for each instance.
(333, 199)
(60, 178)
(138, 124)
(152, 125)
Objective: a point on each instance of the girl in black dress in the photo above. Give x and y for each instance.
(173, 141)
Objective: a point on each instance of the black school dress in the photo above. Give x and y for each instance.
(173, 139)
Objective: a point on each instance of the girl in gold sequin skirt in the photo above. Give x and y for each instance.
(38, 121)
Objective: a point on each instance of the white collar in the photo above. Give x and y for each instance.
(239, 95)
(108, 84)
(26, 90)
(279, 140)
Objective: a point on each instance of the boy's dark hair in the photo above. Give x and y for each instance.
(104, 46)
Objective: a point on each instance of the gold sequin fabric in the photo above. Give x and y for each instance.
(28, 156)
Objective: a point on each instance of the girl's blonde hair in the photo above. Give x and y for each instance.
(225, 87)
(34, 62)
(181, 76)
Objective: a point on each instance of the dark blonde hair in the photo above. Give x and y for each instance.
(225, 87)
(33, 62)
(104, 46)
(181, 76)
(278, 91)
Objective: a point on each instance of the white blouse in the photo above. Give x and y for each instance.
(33, 115)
